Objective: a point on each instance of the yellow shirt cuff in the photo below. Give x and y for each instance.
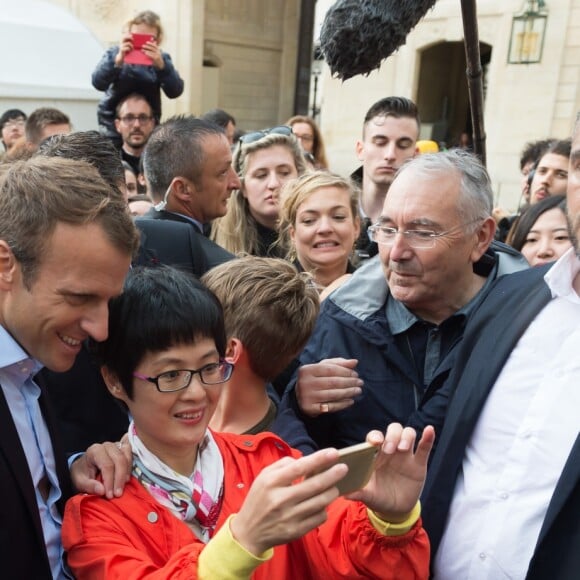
(388, 529)
(227, 559)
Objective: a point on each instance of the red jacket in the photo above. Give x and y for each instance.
(118, 539)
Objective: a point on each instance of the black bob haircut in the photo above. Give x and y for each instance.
(159, 308)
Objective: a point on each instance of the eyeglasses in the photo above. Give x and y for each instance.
(14, 123)
(257, 135)
(385, 235)
(130, 119)
(171, 381)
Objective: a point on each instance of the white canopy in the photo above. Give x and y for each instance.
(46, 53)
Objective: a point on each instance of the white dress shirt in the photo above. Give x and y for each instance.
(520, 445)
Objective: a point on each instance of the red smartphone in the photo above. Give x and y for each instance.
(137, 56)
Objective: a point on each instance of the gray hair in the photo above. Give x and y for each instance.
(175, 149)
(476, 194)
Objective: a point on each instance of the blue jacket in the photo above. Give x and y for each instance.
(118, 82)
(352, 324)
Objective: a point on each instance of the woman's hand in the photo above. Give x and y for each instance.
(284, 503)
(153, 51)
(125, 47)
(399, 474)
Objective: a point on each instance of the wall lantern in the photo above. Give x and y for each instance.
(316, 70)
(528, 33)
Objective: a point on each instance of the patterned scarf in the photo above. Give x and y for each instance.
(197, 499)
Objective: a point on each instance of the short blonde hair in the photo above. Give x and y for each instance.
(296, 192)
(269, 306)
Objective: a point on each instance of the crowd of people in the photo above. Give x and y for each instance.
(198, 317)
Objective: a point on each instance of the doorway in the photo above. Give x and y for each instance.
(442, 95)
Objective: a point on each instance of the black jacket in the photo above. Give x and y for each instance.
(119, 82)
(353, 324)
(212, 254)
(22, 547)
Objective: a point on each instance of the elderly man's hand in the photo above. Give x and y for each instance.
(327, 386)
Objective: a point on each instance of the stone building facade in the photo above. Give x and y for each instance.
(522, 102)
(241, 55)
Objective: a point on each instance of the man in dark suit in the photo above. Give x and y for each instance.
(161, 242)
(65, 246)
(502, 498)
(188, 168)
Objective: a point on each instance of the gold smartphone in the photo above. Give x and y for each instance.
(360, 459)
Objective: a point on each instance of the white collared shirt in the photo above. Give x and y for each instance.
(520, 445)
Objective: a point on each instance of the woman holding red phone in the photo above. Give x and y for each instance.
(136, 65)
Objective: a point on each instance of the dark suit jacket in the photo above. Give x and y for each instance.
(489, 339)
(22, 548)
(201, 247)
(86, 412)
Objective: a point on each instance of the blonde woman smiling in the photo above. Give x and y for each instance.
(319, 222)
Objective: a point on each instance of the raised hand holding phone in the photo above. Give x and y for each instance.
(151, 49)
(289, 497)
(125, 47)
(138, 55)
(360, 460)
(399, 472)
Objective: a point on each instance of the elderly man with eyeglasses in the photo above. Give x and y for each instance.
(384, 341)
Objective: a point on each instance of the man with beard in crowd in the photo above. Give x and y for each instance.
(134, 122)
(551, 172)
